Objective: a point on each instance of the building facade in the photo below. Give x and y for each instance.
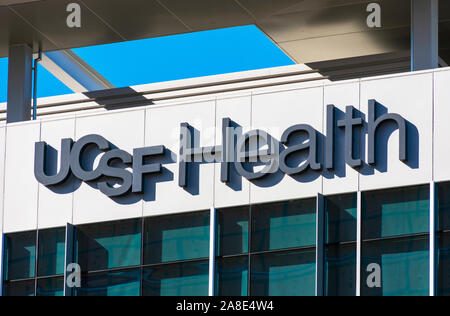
(357, 203)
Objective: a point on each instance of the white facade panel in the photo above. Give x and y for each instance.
(55, 203)
(274, 113)
(162, 192)
(124, 130)
(411, 96)
(28, 205)
(237, 191)
(2, 174)
(343, 179)
(21, 188)
(441, 126)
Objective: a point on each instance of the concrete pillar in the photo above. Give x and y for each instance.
(424, 34)
(19, 83)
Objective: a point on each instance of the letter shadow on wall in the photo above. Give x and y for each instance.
(52, 162)
(340, 166)
(293, 160)
(270, 179)
(382, 137)
(149, 180)
(193, 168)
(91, 158)
(235, 182)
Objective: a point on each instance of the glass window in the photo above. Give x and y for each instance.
(340, 218)
(340, 270)
(283, 274)
(51, 252)
(443, 275)
(176, 238)
(403, 266)
(19, 288)
(443, 241)
(396, 212)
(111, 283)
(443, 205)
(340, 249)
(109, 245)
(232, 231)
(180, 279)
(232, 276)
(50, 287)
(283, 225)
(20, 256)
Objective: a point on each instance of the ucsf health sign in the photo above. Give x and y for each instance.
(254, 155)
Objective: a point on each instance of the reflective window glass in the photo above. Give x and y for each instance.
(176, 238)
(51, 251)
(19, 288)
(232, 231)
(340, 270)
(50, 287)
(396, 212)
(232, 276)
(340, 218)
(443, 240)
(180, 279)
(283, 225)
(283, 274)
(20, 256)
(111, 283)
(397, 267)
(443, 265)
(109, 245)
(443, 205)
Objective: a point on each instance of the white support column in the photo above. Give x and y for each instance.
(320, 245)
(424, 34)
(212, 251)
(432, 238)
(358, 243)
(19, 83)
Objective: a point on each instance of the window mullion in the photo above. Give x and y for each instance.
(320, 244)
(212, 250)
(432, 238)
(358, 242)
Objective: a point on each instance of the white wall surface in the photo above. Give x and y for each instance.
(412, 97)
(55, 205)
(21, 189)
(28, 205)
(441, 126)
(344, 178)
(163, 128)
(237, 192)
(125, 130)
(2, 172)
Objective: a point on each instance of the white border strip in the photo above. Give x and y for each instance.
(432, 238)
(358, 243)
(212, 251)
(1, 264)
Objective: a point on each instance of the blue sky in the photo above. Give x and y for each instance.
(169, 58)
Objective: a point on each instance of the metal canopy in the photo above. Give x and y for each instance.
(307, 30)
